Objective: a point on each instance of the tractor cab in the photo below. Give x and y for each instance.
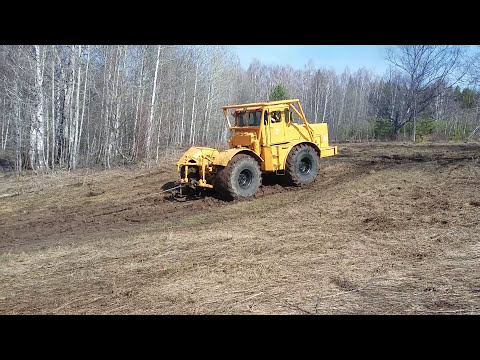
(247, 128)
(264, 124)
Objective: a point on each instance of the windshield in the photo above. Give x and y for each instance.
(248, 118)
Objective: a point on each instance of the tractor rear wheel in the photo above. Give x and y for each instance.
(241, 178)
(302, 165)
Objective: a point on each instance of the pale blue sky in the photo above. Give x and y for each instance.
(337, 57)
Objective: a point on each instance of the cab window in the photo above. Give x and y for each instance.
(254, 118)
(275, 117)
(240, 118)
(248, 118)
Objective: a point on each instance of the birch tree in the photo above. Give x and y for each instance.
(149, 129)
(36, 151)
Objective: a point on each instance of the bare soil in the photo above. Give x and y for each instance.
(387, 228)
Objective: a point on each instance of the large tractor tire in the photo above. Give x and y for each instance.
(241, 178)
(302, 165)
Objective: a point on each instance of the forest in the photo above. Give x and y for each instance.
(73, 106)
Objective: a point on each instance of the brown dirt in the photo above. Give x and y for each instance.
(387, 228)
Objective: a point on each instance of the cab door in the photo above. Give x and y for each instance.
(276, 123)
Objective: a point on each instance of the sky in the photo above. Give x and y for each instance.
(337, 57)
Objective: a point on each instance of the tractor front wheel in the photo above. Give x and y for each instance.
(302, 165)
(241, 178)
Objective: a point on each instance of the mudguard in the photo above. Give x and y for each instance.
(224, 157)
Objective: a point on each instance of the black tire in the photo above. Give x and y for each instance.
(302, 165)
(241, 178)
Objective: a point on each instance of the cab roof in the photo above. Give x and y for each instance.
(252, 106)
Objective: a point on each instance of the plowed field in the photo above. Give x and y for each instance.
(387, 228)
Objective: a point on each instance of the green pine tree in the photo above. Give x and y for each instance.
(279, 92)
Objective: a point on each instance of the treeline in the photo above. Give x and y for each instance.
(74, 106)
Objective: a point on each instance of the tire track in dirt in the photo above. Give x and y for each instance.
(50, 226)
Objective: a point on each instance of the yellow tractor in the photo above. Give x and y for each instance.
(266, 137)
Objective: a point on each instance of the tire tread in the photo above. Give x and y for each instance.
(223, 184)
(290, 169)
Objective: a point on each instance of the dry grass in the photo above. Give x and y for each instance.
(387, 229)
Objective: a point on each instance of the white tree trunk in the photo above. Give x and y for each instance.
(107, 147)
(152, 107)
(118, 97)
(18, 128)
(73, 163)
(327, 91)
(104, 113)
(192, 123)
(37, 128)
(53, 129)
(5, 132)
(159, 131)
(315, 102)
(68, 105)
(182, 123)
(83, 103)
(206, 119)
(137, 109)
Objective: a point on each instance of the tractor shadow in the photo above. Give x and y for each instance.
(271, 183)
(274, 180)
